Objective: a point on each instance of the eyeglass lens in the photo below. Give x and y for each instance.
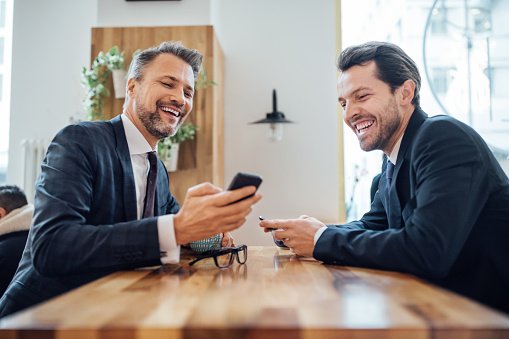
(242, 255)
(224, 260)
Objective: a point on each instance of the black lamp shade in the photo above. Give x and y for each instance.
(274, 117)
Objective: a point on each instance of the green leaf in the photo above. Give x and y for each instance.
(186, 132)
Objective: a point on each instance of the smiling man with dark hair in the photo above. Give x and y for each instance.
(441, 210)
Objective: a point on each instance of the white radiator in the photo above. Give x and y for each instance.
(33, 154)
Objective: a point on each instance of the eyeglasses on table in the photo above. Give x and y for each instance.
(224, 257)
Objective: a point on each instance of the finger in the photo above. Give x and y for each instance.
(231, 242)
(232, 226)
(243, 205)
(241, 208)
(280, 234)
(276, 223)
(263, 224)
(227, 197)
(253, 200)
(303, 216)
(232, 219)
(204, 188)
(229, 239)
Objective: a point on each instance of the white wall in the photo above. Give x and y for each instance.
(290, 46)
(286, 44)
(120, 13)
(51, 42)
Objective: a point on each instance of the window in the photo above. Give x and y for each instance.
(441, 78)
(439, 21)
(5, 35)
(2, 13)
(1, 50)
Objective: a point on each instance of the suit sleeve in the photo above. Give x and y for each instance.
(77, 224)
(448, 194)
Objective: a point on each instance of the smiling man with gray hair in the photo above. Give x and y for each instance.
(97, 210)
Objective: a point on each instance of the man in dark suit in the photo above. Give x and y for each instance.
(441, 211)
(15, 220)
(91, 216)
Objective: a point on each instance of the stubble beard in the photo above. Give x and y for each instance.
(154, 124)
(388, 126)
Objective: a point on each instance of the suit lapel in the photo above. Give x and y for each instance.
(418, 117)
(392, 199)
(128, 188)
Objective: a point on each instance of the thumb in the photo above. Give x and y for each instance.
(303, 216)
(204, 188)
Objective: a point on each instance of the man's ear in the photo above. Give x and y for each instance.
(3, 212)
(407, 92)
(131, 84)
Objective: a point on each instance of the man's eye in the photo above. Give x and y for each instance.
(188, 94)
(362, 96)
(166, 84)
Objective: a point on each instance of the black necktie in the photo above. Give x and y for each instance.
(388, 172)
(148, 209)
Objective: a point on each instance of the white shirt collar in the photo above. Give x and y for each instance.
(394, 154)
(135, 140)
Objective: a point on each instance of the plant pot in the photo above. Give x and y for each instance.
(171, 158)
(119, 82)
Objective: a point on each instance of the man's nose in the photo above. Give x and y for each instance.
(178, 98)
(350, 111)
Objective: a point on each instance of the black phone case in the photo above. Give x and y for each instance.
(244, 179)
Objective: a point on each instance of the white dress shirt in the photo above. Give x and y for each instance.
(138, 148)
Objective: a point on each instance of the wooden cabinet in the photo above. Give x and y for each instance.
(200, 160)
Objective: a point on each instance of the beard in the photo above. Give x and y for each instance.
(154, 124)
(387, 127)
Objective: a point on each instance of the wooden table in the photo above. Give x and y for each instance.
(274, 295)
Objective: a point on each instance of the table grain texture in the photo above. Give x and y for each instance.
(276, 294)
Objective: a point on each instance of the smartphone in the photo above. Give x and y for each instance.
(279, 243)
(244, 179)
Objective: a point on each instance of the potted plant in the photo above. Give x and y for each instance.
(115, 60)
(94, 80)
(167, 148)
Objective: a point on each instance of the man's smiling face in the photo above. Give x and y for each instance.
(163, 97)
(370, 109)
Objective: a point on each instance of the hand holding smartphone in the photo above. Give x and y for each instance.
(279, 243)
(244, 179)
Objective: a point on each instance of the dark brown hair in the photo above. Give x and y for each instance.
(393, 64)
(12, 197)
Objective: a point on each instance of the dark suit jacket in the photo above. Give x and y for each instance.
(445, 217)
(85, 223)
(11, 248)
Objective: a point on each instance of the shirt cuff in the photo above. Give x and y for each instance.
(170, 251)
(318, 233)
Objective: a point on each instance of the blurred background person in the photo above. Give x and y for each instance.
(15, 220)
